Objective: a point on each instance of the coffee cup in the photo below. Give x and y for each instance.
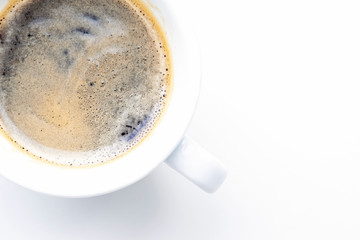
(166, 143)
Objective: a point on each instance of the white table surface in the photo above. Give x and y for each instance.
(279, 106)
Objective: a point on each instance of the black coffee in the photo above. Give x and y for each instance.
(81, 81)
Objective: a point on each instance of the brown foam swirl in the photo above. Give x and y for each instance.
(81, 82)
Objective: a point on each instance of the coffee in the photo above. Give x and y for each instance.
(81, 81)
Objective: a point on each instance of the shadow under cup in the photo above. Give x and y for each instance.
(83, 182)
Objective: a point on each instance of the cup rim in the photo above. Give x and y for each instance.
(138, 163)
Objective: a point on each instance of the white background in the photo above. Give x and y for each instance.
(279, 107)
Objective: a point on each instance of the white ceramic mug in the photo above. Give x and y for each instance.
(166, 143)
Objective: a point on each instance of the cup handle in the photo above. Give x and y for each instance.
(197, 165)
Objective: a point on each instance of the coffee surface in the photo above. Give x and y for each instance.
(80, 76)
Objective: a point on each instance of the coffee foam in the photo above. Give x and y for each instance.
(81, 83)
